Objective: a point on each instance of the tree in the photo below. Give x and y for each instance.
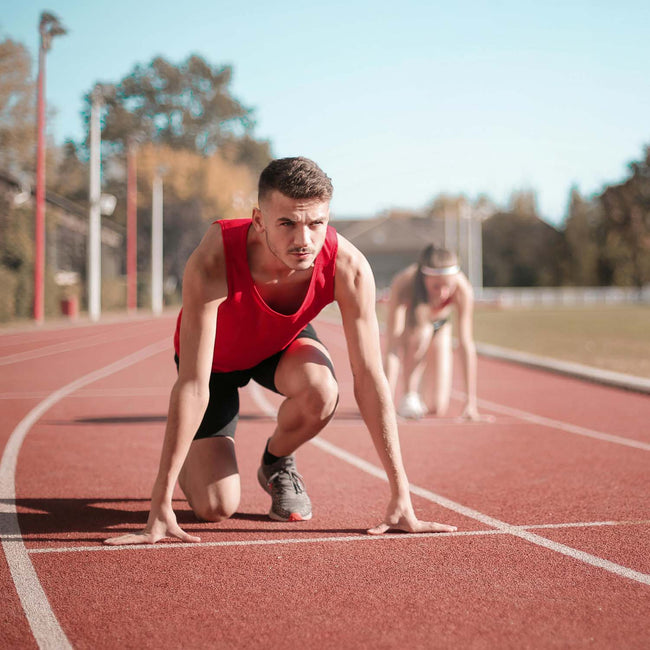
(17, 92)
(581, 232)
(186, 106)
(625, 255)
(197, 190)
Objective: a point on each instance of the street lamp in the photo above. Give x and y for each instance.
(49, 27)
(157, 242)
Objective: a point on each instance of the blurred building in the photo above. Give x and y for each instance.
(391, 242)
(67, 230)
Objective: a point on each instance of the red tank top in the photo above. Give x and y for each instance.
(248, 330)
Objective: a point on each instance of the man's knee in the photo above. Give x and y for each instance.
(321, 398)
(215, 509)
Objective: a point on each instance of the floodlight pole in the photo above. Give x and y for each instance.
(157, 245)
(94, 218)
(49, 27)
(131, 229)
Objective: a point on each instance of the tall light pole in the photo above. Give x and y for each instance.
(157, 244)
(49, 27)
(131, 228)
(94, 268)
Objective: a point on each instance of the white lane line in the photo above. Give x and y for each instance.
(516, 531)
(97, 393)
(262, 542)
(311, 540)
(587, 524)
(44, 624)
(53, 348)
(562, 426)
(66, 346)
(540, 420)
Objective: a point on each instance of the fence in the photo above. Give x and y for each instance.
(562, 296)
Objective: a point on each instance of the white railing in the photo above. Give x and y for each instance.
(567, 296)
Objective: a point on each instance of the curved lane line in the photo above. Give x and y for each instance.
(65, 346)
(44, 624)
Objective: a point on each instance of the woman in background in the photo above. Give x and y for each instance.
(422, 299)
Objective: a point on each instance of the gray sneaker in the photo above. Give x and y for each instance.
(287, 489)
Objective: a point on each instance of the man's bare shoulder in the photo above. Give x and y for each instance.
(350, 261)
(207, 264)
(209, 254)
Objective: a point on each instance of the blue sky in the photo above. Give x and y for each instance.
(397, 101)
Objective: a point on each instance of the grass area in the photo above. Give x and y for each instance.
(610, 337)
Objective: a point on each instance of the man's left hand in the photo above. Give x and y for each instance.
(404, 519)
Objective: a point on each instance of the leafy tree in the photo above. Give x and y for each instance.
(70, 178)
(581, 231)
(17, 92)
(186, 106)
(625, 255)
(197, 190)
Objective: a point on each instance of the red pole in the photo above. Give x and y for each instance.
(39, 235)
(131, 230)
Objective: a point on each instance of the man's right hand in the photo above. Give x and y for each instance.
(160, 525)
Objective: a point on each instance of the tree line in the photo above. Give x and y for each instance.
(180, 120)
(604, 239)
(183, 122)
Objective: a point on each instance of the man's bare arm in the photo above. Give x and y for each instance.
(204, 288)
(355, 294)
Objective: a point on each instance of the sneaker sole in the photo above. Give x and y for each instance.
(294, 516)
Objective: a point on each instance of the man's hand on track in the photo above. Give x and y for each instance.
(404, 519)
(157, 528)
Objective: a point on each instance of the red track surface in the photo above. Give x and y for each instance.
(552, 548)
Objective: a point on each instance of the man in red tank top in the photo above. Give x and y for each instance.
(250, 290)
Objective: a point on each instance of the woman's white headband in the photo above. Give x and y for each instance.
(445, 270)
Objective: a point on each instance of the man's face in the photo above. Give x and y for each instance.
(294, 229)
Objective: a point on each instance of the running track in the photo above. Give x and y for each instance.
(551, 502)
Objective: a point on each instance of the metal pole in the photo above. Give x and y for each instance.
(39, 233)
(471, 261)
(48, 27)
(461, 228)
(478, 251)
(157, 245)
(94, 218)
(131, 231)
(445, 222)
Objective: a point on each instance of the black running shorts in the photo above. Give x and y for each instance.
(222, 413)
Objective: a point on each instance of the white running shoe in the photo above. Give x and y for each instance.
(411, 407)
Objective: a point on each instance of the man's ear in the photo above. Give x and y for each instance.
(258, 220)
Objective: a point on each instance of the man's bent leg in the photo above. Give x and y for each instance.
(210, 478)
(305, 376)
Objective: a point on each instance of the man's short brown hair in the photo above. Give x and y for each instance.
(296, 178)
